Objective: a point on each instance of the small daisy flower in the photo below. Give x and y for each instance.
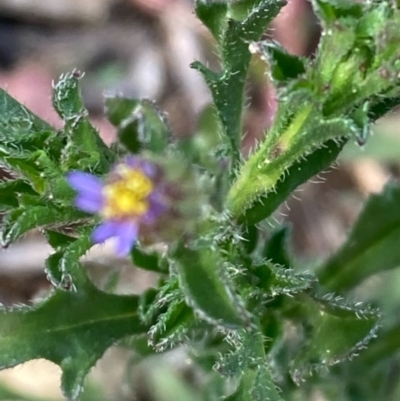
(130, 200)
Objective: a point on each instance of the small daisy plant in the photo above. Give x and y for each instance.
(242, 316)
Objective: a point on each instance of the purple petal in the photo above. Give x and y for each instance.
(127, 236)
(105, 231)
(157, 207)
(89, 204)
(147, 167)
(87, 184)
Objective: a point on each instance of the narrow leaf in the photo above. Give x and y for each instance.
(372, 245)
(295, 175)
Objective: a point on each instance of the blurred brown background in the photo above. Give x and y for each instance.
(143, 48)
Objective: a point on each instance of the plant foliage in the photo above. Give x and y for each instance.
(229, 292)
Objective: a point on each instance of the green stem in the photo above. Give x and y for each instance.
(265, 167)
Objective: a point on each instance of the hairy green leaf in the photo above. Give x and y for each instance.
(71, 329)
(338, 331)
(227, 86)
(141, 125)
(20, 221)
(256, 385)
(63, 267)
(207, 287)
(10, 191)
(213, 15)
(248, 362)
(330, 11)
(277, 280)
(24, 165)
(385, 346)
(58, 240)
(172, 326)
(20, 129)
(85, 150)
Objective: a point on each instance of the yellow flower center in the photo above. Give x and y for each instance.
(127, 195)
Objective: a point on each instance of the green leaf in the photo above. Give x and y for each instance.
(71, 329)
(58, 240)
(264, 387)
(282, 65)
(338, 331)
(382, 107)
(249, 363)
(349, 73)
(67, 99)
(357, 55)
(63, 268)
(295, 175)
(170, 317)
(227, 86)
(207, 287)
(44, 175)
(329, 11)
(147, 305)
(292, 137)
(276, 247)
(256, 386)
(250, 238)
(20, 129)
(172, 326)
(21, 220)
(141, 125)
(24, 165)
(85, 150)
(213, 15)
(372, 245)
(385, 346)
(10, 191)
(275, 280)
(248, 352)
(151, 261)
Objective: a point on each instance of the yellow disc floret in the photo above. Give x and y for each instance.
(126, 196)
